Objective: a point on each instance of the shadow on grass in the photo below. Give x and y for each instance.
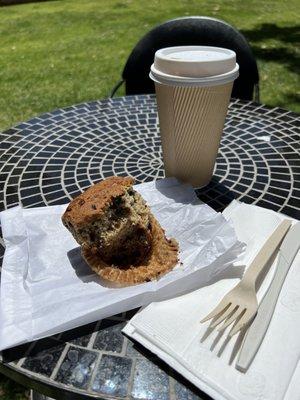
(4, 3)
(287, 34)
(293, 97)
(283, 53)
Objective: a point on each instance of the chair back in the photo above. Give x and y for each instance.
(199, 31)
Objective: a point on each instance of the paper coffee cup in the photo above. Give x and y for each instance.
(193, 87)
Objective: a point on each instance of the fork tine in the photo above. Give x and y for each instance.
(246, 318)
(230, 320)
(217, 310)
(223, 316)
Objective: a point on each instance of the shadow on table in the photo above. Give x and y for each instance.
(218, 195)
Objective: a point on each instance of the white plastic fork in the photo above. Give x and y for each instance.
(240, 304)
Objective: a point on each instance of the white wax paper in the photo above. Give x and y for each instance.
(47, 288)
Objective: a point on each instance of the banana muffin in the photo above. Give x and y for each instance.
(120, 238)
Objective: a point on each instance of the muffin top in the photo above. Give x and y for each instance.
(89, 205)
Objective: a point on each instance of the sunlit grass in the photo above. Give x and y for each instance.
(58, 53)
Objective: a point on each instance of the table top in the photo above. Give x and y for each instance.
(51, 158)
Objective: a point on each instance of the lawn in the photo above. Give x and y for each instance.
(58, 53)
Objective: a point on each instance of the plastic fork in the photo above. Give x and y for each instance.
(240, 304)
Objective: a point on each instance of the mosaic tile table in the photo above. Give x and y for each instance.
(51, 158)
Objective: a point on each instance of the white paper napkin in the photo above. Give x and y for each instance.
(47, 288)
(171, 329)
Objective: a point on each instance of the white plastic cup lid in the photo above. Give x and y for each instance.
(202, 64)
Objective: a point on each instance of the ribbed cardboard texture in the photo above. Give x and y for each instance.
(191, 124)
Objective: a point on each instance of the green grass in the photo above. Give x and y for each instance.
(58, 53)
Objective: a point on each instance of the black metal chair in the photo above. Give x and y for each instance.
(203, 31)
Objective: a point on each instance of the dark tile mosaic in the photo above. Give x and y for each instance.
(30, 191)
(51, 188)
(282, 184)
(6, 168)
(291, 212)
(55, 195)
(113, 376)
(76, 368)
(296, 194)
(149, 382)
(44, 361)
(4, 145)
(12, 189)
(11, 199)
(269, 205)
(135, 349)
(294, 202)
(110, 337)
(13, 180)
(29, 201)
(247, 199)
(296, 178)
(258, 186)
(253, 193)
(262, 178)
(63, 200)
(3, 177)
(274, 199)
(16, 171)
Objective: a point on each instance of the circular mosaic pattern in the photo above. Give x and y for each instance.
(259, 160)
(51, 158)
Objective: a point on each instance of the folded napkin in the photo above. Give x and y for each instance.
(47, 288)
(171, 329)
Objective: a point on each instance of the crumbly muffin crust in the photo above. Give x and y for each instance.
(86, 207)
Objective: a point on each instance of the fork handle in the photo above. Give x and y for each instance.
(266, 252)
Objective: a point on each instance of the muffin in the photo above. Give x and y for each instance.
(120, 238)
